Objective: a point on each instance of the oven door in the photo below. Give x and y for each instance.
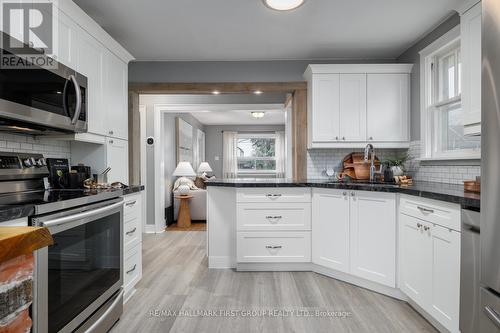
(82, 270)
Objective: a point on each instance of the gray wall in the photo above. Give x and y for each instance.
(226, 71)
(412, 56)
(213, 143)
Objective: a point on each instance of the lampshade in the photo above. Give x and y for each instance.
(204, 167)
(184, 169)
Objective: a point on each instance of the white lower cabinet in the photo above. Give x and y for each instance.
(373, 236)
(430, 266)
(355, 232)
(132, 242)
(273, 225)
(330, 225)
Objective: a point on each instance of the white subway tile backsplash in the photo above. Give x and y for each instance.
(27, 144)
(318, 160)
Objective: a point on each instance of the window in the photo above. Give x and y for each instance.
(256, 153)
(442, 114)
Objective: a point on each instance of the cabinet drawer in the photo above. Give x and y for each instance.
(274, 216)
(131, 207)
(274, 194)
(131, 234)
(433, 211)
(287, 246)
(132, 267)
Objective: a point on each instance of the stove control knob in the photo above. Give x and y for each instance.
(41, 162)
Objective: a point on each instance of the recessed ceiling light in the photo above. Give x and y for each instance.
(258, 114)
(257, 92)
(283, 4)
(215, 92)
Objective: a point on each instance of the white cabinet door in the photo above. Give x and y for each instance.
(415, 259)
(388, 107)
(373, 236)
(90, 63)
(325, 108)
(445, 291)
(68, 41)
(116, 96)
(330, 229)
(353, 107)
(470, 25)
(117, 159)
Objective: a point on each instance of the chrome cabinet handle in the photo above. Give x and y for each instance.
(132, 269)
(111, 132)
(273, 247)
(371, 137)
(492, 315)
(131, 231)
(344, 193)
(419, 225)
(274, 217)
(336, 138)
(131, 203)
(111, 142)
(353, 194)
(343, 138)
(425, 210)
(426, 228)
(273, 195)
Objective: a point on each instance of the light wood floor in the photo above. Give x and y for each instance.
(176, 278)
(195, 226)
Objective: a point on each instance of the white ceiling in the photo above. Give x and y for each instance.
(239, 117)
(201, 30)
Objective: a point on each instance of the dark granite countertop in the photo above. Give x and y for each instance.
(438, 191)
(18, 205)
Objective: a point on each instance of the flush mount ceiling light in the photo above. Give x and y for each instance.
(283, 4)
(215, 92)
(257, 92)
(258, 114)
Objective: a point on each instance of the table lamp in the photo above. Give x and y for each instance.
(204, 168)
(183, 170)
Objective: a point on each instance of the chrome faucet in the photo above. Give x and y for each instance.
(369, 148)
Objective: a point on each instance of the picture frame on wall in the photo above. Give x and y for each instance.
(184, 140)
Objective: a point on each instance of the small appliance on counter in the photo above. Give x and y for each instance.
(58, 173)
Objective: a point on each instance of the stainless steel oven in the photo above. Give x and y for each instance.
(78, 280)
(40, 101)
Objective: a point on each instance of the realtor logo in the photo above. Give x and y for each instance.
(29, 37)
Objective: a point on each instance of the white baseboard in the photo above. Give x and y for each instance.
(152, 229)
(428, 317)
(360, 282)
(221, 262)
(273, 267)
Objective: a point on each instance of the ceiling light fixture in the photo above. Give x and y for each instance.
(215, 92)
(283, 5)
(258, 114)
(257, 92)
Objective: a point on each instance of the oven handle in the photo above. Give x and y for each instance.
(79, 216)
(78, 93)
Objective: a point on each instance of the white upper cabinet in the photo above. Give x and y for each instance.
(330, 225)
(349, 104)
(373, 236)
(115, 99)
(470, 35)
(67, 42)
(353, 107)
(388, 107)
(325, 99)
(90, 63)
(117, 159)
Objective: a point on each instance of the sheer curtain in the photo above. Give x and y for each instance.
(229, 162)
(280, 155)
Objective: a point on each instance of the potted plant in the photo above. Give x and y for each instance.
(396, 165)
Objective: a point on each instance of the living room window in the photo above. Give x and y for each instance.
(256, 153)
(442, 115)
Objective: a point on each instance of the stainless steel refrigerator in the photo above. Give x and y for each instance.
(490, 169)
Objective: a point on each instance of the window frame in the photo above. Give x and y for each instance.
(429, 95)
(267, 158)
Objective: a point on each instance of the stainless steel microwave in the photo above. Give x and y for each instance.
(40, 101)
